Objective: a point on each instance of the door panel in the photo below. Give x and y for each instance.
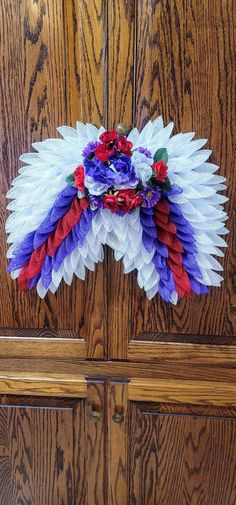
(182, 454)
(59, 68)
(42, 451)
(52, 73)
(171, 77)
(53, 450)
(174, 443)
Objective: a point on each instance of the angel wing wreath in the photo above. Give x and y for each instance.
(151, 197)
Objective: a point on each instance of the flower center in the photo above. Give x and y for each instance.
(149, 194)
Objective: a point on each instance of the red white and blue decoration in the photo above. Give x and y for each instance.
(151, 197)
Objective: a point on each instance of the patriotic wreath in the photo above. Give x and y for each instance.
(152, 198)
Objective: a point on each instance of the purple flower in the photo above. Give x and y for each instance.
(99, 171)
(125, 171)
(150, 196)
(146, 152)
(96, 202)
(90, 148)
(118, 172)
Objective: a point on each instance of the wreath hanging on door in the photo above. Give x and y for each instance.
(152, 198)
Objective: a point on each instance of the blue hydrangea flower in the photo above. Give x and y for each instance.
(125, 174)
(119, 172)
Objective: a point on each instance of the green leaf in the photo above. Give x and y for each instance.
(166, 185)
(70, 180)
(161, 154)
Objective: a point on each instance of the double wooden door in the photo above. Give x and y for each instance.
(108, 398)
(113, 441)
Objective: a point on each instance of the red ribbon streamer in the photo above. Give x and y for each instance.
(50, 246)
(167, 235)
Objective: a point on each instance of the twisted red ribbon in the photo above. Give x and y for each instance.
(50, 246)
(167, 235)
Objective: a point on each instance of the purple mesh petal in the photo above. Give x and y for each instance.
(36, 238)
(148, 242)
(22, 253)
(75, 238)
(60, 207)
(162, 249)
(46, 272)
(32, 282)
(164, 292)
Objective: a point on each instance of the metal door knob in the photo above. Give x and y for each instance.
(117, 417)
(95, 416)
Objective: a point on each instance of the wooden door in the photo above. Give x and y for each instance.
(48, 53)
(178, 60)
(42, 450)
(198, 441)
(103, 62)
(52, 440)
(174, 442)
(159, 379)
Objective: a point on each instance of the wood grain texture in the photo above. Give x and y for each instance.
(118, 369)
(37, 447)
(173, 79)
(221, 394)
(32, 96)
(200, 447)
(86, 101)
(46, 82)
(96, 440)
(35, 384)
(117, 443)
(172, 352)
(86, 60)
(121, 41)
(42, 347)
(37, 333)
(121, 64)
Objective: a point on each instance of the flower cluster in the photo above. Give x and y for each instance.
(119, 178)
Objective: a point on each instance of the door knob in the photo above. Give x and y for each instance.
(95, 415)
(117, 417)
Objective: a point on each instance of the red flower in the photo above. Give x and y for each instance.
(129, 199)
(160, 169)
(124, 145)
(103, 152)
(126, 193)
(79, 178)
(124, 196)
(111, 202)
(136, 201)
(108, 136)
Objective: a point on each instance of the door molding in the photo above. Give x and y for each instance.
(34, 384)
(184, 353)
(220, 394)
(42, 347)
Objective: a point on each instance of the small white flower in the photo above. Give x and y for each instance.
(142, 165)
(95, 188)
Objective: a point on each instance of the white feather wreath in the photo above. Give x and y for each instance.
(151, 197)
